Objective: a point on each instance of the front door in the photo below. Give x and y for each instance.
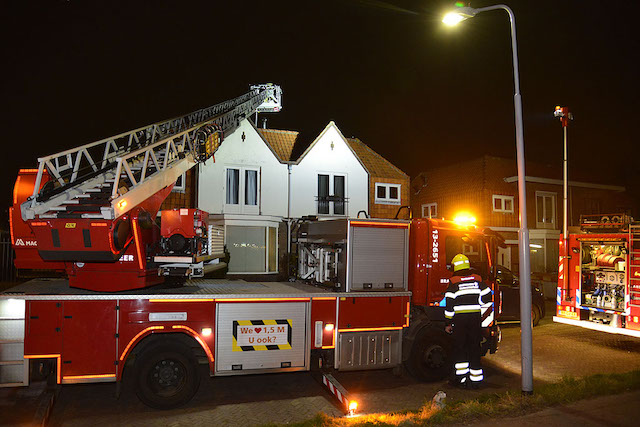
(504, 257)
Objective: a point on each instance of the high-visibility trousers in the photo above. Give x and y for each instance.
(467, 335)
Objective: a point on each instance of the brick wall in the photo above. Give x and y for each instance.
(183, 199)
(378, 210)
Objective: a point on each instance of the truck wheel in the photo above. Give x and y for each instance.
(430, 357)
(167, 376)
(535, 315)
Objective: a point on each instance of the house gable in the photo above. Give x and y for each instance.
(244, 150)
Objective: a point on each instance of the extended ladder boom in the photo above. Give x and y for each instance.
(107, 178)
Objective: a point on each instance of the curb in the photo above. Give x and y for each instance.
(45, 407)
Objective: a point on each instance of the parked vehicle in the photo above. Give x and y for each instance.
(509, 286)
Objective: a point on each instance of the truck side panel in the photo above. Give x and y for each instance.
(89, 340)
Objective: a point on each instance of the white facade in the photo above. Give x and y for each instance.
(244, 151)
(329, 155)
(245, 190)
(250, 191)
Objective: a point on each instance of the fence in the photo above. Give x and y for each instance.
(8, 270)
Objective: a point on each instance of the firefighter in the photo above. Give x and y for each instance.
(465, 297)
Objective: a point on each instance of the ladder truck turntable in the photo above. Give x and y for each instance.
(368, 296)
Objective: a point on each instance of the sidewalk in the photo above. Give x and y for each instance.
(26, 406)
(617, 410)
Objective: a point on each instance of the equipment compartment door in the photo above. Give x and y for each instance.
(261, 336)
(89, 339)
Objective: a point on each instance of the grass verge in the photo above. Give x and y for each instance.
(493, 405)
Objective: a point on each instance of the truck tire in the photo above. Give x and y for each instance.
(535, 315)
(430, 358)
(166, 376)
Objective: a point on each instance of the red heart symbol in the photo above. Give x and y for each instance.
(257, 330)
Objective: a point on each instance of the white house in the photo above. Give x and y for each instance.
(328, 180)
(257, 182)
(244, 188)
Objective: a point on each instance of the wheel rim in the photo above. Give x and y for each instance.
(167, 377)
(434, 356)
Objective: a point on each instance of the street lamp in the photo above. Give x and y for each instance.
(459, 14)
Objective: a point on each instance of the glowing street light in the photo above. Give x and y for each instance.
(459, 14)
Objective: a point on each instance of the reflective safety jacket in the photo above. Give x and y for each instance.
(466, 294)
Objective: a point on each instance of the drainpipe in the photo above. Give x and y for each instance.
(288, 209)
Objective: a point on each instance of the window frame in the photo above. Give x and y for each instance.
(331, 191)
(387, 200)
(502, 199)
(242, 206)
(183, 186)
(429, 206)
(554, 203)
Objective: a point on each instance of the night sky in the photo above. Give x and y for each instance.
(391, 74)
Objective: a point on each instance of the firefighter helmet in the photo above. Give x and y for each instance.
(460, 262)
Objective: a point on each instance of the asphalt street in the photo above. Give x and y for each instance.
(559, 350)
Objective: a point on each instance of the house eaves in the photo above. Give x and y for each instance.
(540, 180)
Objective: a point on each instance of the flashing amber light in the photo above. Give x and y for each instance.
(198, 338)
(122, 204)
(353, 406)
(99, 224)
(145, 330)
(183, 300)
(464, 218)
(329, 327)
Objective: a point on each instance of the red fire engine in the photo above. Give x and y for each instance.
(368, 296)
(599, 276)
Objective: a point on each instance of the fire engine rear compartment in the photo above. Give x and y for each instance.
(241, 327)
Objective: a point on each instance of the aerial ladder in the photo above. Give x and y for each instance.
(93, 207)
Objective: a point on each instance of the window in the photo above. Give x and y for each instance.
(241, 195)
(179, 186)
(252, 249)
(388, 194)
(545, 210)
(502, 203)
(335, 203)
(430, 210)
(474, 249)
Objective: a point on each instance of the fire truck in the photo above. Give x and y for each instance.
(369, 293)
(599, 275)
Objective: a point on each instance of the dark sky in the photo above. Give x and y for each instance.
(417, 92)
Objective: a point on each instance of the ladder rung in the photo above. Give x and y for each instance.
(80, 196)
(93, 190)
(71, 202)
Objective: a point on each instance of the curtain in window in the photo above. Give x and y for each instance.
(250, 187)
(338, 190)
(233, 185)
(323, 194)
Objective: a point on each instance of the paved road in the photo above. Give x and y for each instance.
(251, 400)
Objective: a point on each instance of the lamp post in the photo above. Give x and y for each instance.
(564, 115)
(459, 14)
